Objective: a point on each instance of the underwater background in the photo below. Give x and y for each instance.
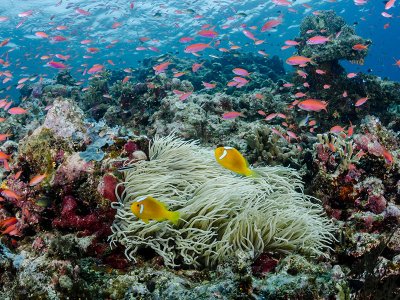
(207, 149)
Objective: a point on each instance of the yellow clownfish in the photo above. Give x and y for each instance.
(147, 208)
(231, 159)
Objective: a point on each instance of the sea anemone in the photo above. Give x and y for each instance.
(222, 214)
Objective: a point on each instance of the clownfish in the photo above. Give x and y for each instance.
(147, 208)
(231, 159)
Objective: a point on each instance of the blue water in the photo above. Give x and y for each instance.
(164, 22)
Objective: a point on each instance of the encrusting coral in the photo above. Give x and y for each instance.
(223, 215)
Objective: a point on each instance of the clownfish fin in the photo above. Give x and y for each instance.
(174, 217)
(251, 173)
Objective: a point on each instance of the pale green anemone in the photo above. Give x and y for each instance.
(223, 215)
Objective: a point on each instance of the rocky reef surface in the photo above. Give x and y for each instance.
(54, 241)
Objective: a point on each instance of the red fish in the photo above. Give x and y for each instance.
(185, 39)
(249, 34)
(231, 115)
(299, 95)
(25, 14)
(58, 38)
(291, 43)
(10, 194)
(63, 57)
(360, 101)
(37, 179)
(388, 156)
(271, 24)
(359, 47)
(82, 12)
(336, 129)
(4, 156)
(209, 85)
(318, 40)
(17, 111)
(161, 67)
(41, 34)
(179, 74)
(5, 42)
(389, 4)
(208, 33)
(184, 96)
(196, 67)
(282, 2)
(351, 75)
(270, 116)
(4, 136)
(313, 105)
(240, 72)
(194, 48)
(95, 69)
(298, 60)
(92, 50)
(86, 42)
(8, 222)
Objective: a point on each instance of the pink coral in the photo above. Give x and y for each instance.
(131, 147)
(106, 187)
(377, 203)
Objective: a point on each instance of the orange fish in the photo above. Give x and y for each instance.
(92, 50)
(360, 101)
(312, 105)
(271, 24)
(8, 222)
(17, 175)
(359, 47)
(336, 129)
(194, 48)
(184, 96)
(231, 159)
(5, 42)
(389, 4)
(4, 156)
(41, 34)
(95, 69)
(179, 74)
(17, 111)
(196, 66)
(298, 60)
(161, 67)
(10, 194)
(318, 40)
(148, 208)
(208, 85)
(4, 136)
(350, 131)
(388, 156)
(37, 179)
(231, 115)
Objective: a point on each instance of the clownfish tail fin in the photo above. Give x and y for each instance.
(174, 217)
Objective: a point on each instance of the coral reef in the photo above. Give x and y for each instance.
(71, 233)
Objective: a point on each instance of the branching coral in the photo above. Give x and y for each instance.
(332, 147)
(222, 214)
